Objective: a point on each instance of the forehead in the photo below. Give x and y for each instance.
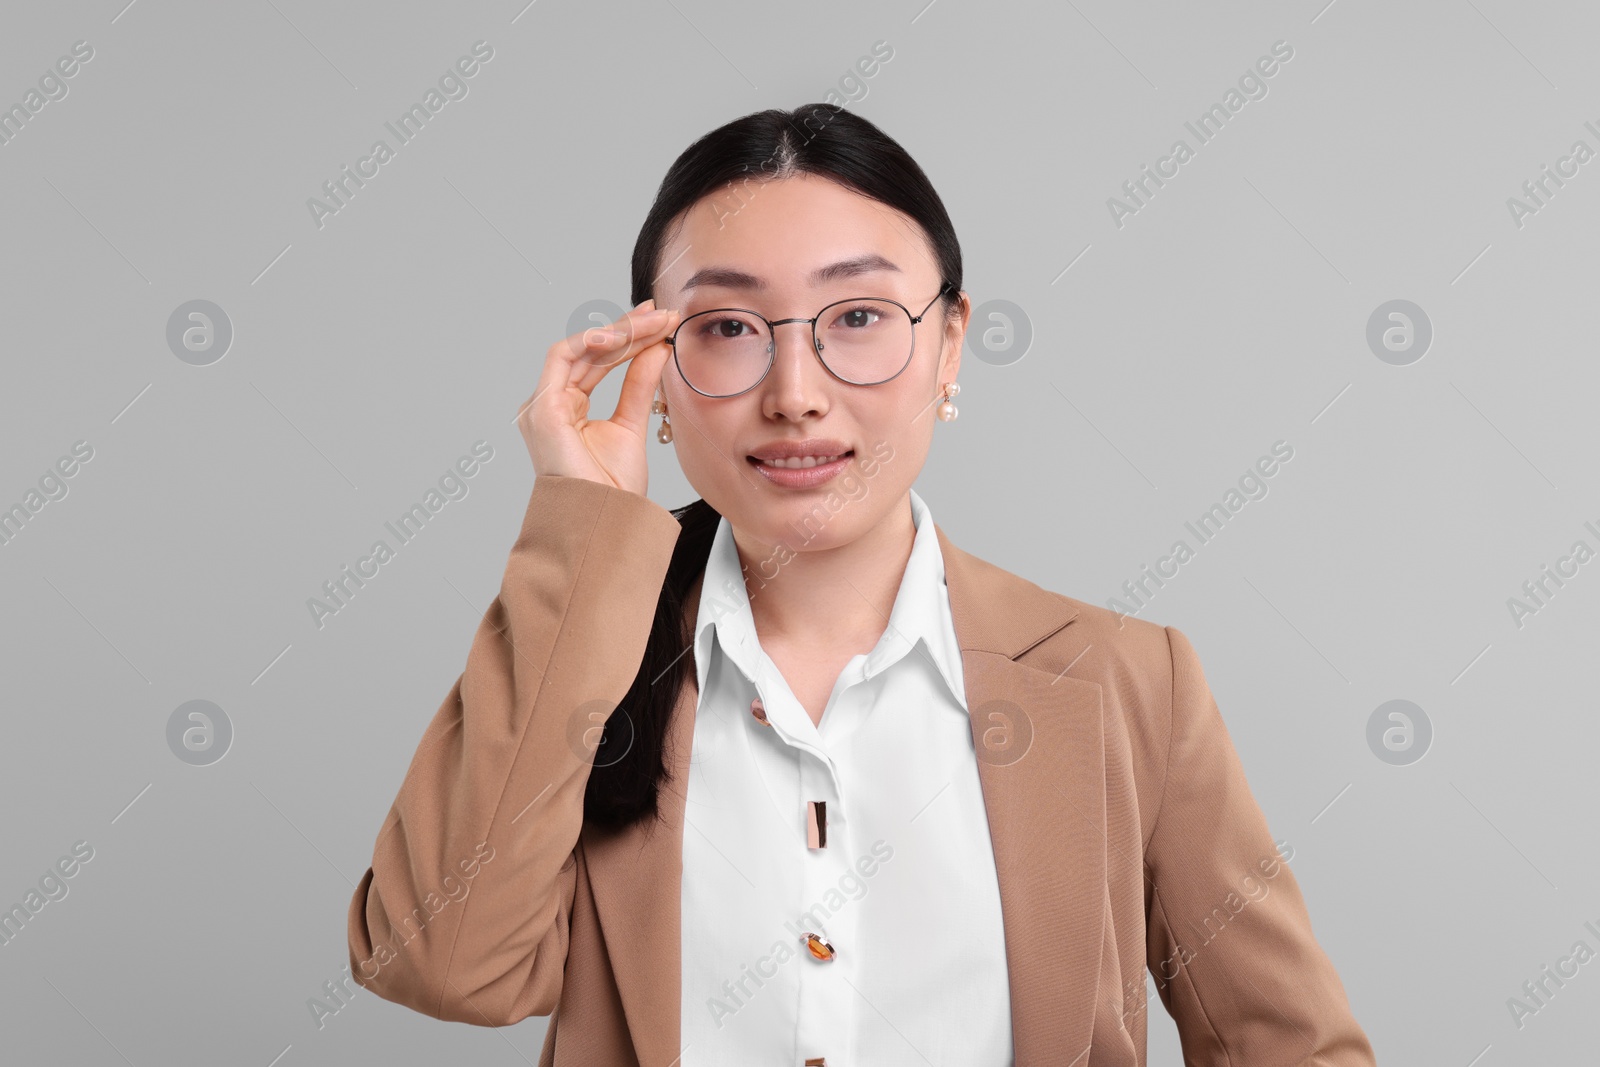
(779, 233)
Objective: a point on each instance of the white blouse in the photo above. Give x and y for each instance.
(895, 873)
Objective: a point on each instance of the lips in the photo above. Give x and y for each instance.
(802, 472)
(799, 454)
(798, 462)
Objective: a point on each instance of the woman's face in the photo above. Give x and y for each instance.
(779, 233)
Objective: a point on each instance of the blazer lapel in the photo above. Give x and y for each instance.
(1039, 739)
(1040, 744)
(636, 877)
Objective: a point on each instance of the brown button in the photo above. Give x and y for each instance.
(759, 712)
(816, 824)
(819, 946)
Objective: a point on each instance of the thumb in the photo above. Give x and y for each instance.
(639, 384)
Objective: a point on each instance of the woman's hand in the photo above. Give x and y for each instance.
(555, 422)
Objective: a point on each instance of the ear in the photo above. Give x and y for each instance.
(955, 336)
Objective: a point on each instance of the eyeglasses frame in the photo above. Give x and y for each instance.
(816, 343)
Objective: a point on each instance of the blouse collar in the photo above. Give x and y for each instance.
(919, 622)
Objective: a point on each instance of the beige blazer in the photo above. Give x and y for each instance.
(1125, 835)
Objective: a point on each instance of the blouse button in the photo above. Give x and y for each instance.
(816, 824)
(759, 712)
(819, 946)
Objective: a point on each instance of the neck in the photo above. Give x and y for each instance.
(829, 596)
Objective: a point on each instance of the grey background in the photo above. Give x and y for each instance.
(368, 355)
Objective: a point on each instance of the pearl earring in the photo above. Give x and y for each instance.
(947, 410)
(664, 435)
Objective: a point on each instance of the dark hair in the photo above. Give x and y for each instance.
(818, 139)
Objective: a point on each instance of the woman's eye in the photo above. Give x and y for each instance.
(729, 328)
(858, 317)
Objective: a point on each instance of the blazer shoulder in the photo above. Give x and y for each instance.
(1110, 645)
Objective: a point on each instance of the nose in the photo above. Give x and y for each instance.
(797, 384)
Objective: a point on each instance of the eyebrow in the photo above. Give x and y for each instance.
(732, 278)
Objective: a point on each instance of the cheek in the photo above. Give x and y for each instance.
(704, 433)
(913, 411)
(895, 427)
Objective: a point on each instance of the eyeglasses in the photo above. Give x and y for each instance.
(861, 341)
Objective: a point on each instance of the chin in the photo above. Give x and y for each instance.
(819, 522)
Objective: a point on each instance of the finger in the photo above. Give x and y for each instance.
(634, 333)
(576, 346)
(639, 385)
(587, 337)
(569, 359)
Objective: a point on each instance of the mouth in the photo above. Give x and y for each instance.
(799, 462)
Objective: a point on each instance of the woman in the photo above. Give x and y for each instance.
(879, 801)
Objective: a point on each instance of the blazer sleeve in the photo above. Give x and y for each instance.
(463, 914)
(1229, 940)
